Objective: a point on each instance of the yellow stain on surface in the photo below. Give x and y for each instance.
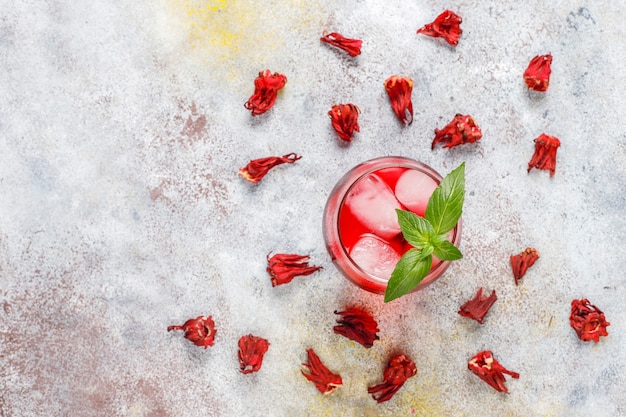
(231, 34)
(220, 23)
(425, 400)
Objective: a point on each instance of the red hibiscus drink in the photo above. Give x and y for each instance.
(361, 226)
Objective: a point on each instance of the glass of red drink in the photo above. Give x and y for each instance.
(361, 227)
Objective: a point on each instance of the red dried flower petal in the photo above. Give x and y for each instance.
(325, 381)
(537, 75)
(447, 25)
(251, 351)
(358, 325)
(399, 90)
(351, 46)
(266, 87)
(487, 368)
(462, 129)
(479, 306)
(201, 330)
(545, 153)
(258, 168)
(399, 369)
(522, 261)
(588, 321)
(345, 120)
(283, 267)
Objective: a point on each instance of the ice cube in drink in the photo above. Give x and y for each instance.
(374, 255)
(413, 190)
(374, 205)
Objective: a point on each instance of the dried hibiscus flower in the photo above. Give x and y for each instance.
(398, 370)
(447, 26)
(251, 351)
(487, 368)
(351, 46)
(266, 87)
(201, 330)
(258, 168)
(399, 90)
(283, 267)
(479, 306)
(358, 325)
(462, 129)
(537, 75)
(545, 153)
(325, 381)
(345, 120)
(588, 321)
(522, 261)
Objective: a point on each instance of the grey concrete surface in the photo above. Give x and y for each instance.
(122, 129)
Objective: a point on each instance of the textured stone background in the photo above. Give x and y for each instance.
(122, 129)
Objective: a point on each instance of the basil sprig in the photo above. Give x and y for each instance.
(428, 234)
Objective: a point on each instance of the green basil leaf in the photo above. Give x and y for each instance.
(409, 272)
(437, 240)
(415, 229)
(447, 252)
(445, 205)
(428, 249)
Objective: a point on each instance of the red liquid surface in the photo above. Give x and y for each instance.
(351, 228)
